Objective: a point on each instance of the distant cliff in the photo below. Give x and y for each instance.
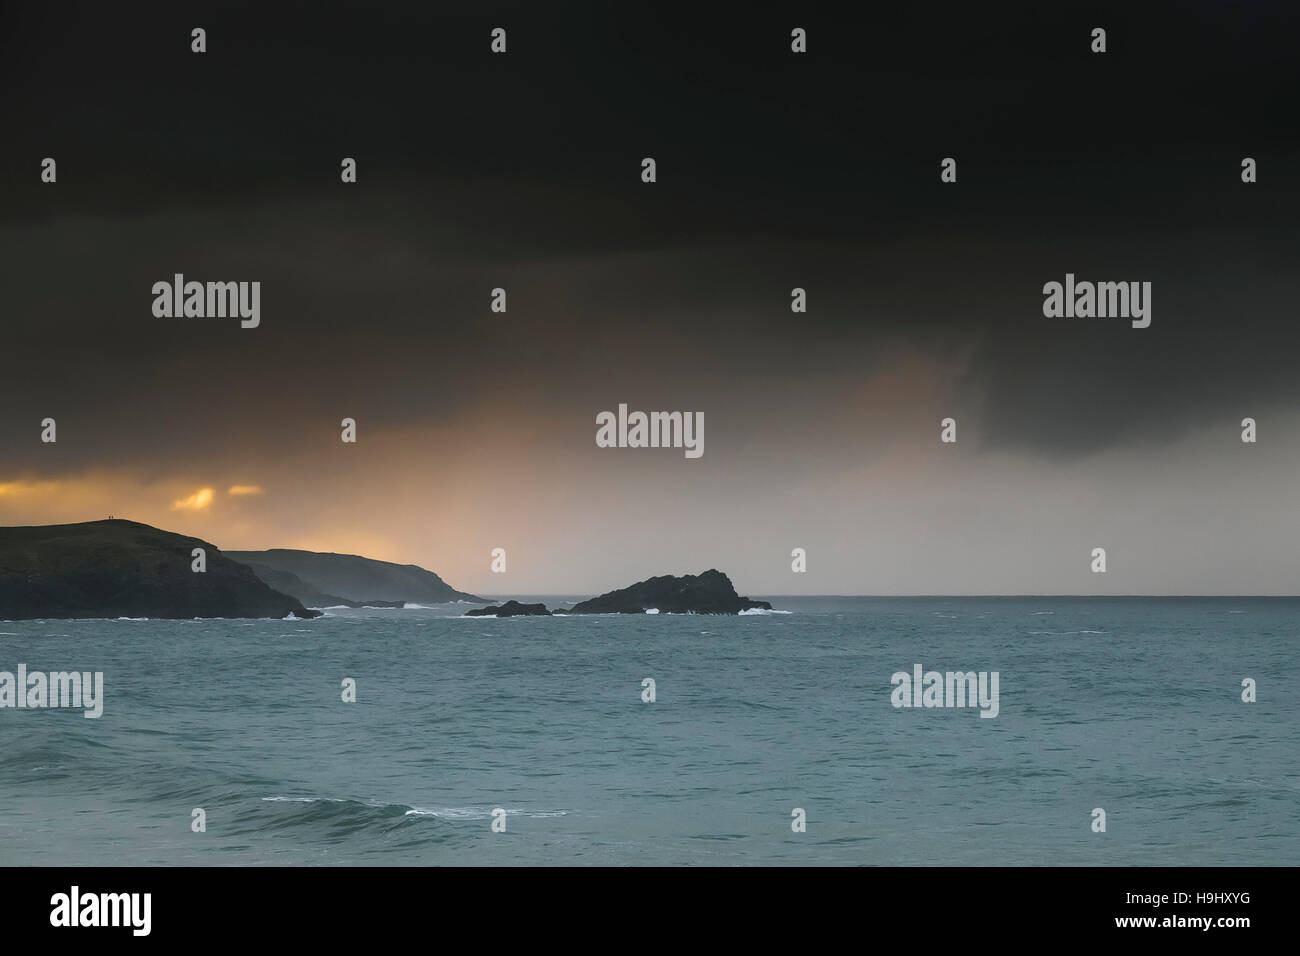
(119, 568)
(328, 576)
(287, 582)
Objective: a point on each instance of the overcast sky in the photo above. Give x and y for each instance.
(477, 430)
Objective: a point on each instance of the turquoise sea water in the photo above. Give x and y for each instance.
(1130, 705)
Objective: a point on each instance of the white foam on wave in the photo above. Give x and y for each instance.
(764, 610)
(446, 813)
(652, 610)
(479, 813)
(302, 799)
(131, 619)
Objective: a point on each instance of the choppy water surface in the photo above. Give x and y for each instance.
(1131, 705)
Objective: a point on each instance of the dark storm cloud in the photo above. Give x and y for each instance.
(522, 171)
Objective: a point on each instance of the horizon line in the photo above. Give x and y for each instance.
(919, 595)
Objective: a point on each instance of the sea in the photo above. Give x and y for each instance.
(764, 739)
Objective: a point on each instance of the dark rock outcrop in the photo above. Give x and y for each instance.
(118, 568)
(708, 593)
(509, 609)
(355, 579)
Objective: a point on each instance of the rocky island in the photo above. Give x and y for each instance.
(710, 592)
(117, 568)
(509, 609)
